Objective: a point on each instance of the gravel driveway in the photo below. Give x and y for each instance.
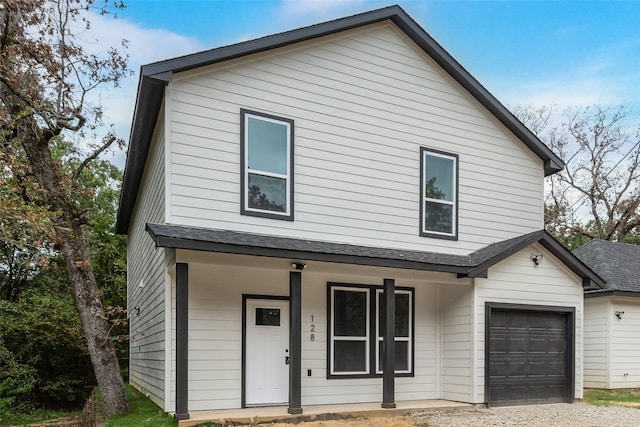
(555, 415)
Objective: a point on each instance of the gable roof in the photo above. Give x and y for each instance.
(617, 263)
(154, 77)
(475, 264)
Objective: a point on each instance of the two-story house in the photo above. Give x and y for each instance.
(338, 214)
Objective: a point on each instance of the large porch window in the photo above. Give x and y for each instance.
(355, 337)
(350, 330)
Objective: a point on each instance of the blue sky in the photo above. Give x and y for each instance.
(571, 53)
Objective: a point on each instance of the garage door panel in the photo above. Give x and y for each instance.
(499, 344)
(525, 368)
(520, 394)
(517, 345)
(499, 320)
(527, 357)
(556, 345)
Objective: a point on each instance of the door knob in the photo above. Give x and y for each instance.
(286, 360)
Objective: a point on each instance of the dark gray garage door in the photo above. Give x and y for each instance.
(529, 358)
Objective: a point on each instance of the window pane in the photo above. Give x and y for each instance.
(350, 313)
(267, 146)
(438, 217)
(402, 315)
(267, 316)
(267, 193)
(402, 356)
(438, 178)
(349, 356)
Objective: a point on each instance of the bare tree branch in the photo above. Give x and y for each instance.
(598, 193)
(108, 142)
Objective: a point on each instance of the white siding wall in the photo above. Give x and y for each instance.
(363, 104)
(146, 281)
(215, 323)
(625, 343)
(597, 321)
(457, 337)
(516, 280)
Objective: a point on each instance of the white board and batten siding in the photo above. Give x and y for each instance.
(517, 280)
(363, 103)
(146, 267)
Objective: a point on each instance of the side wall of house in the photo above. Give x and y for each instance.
(625, 343)
(146, 267)
(215, 328)
(363, 102)
(597, 323)
(517, 281)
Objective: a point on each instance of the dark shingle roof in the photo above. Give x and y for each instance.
(617, 263)
(154, 77)
(475, 264)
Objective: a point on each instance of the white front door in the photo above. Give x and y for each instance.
(267, 352)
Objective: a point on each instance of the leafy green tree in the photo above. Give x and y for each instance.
(22, 246)
(17, 381)
(61, 371)
(46, 77)
(42, 332)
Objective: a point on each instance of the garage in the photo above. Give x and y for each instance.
(529, 354)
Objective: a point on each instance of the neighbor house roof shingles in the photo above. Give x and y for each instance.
(617, 263)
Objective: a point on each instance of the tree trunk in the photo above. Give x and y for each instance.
(94, 322)
(68, 224)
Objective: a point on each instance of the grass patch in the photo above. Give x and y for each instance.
(38, 416)
(143, 413)
(612, 397)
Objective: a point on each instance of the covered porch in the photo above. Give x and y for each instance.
(430, 353)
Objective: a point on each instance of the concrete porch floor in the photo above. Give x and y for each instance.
(268, 413)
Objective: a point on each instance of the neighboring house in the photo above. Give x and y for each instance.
(340, 214)
(612, 316)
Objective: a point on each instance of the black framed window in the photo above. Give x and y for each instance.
(355, 333)
(350, 330)
(438, 194)
(267, 165)
(403, 334)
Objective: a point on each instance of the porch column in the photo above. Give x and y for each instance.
(295, 342)
(182, 341)
(389, 348)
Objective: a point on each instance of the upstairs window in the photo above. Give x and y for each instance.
(267, 165)
(438, 194)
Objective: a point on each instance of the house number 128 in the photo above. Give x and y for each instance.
(313, 329)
